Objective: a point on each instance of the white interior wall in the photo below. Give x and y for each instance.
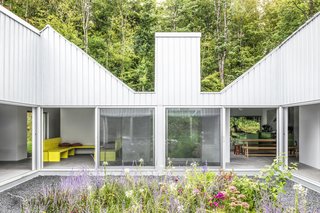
(77, 125)
(309, 137)
(13, 131)
(54, 122)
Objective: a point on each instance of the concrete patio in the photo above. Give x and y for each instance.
(10, 169)
(75, 162)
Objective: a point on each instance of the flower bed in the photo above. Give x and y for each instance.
(198, 190)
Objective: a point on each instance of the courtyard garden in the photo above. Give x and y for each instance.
(198, 190)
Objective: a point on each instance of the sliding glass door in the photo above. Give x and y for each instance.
(193, 135)
(127, 137)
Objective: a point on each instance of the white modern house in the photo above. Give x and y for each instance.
(72, 99)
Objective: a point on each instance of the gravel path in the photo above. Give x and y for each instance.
(313, 198)
(11, 200)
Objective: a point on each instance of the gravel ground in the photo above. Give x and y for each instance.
(11, 200)
(313, 198)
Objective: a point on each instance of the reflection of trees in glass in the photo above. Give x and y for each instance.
(29, 133)
(184, 138)
(244, 124)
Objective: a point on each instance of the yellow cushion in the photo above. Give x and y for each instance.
(108, 156)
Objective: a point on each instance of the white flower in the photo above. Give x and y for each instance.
(172, 187)
(180, 208)
(129, 193)
(298, 187)
(126, 171)
(194, 164)
(141, 190)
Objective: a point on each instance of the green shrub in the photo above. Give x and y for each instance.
(198, 190)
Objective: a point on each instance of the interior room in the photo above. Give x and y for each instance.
(193, 136)
(253, 133)
(304, 140)
(15, 141)
(69, 139)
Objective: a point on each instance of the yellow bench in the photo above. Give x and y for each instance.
(53, 153)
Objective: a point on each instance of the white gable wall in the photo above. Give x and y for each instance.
(18, 59)
(72, 78)
(290, 74)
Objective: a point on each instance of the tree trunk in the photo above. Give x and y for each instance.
(221, 35)
(86, 13)
(311, 8)
(122, 35)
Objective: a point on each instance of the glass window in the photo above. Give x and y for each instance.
(127, 137)
(193, 135)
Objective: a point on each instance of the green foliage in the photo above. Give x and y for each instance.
(184, 137)
(121, 32)
(275, 177)
(212, 83)
(198, 190)
(29, 133)
(244, 124)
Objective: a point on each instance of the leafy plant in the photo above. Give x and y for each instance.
(199, 190)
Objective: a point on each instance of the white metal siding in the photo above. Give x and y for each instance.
(18, 60)
(177, 71)
(44, 68)
(72, 78)
(290, 74)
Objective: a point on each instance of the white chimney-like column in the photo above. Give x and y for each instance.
(177, 68)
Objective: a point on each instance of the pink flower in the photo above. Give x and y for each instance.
(245, 205)
(216, 204)
(221, 195)
(196, 191)
(241, 196)
(232, 188)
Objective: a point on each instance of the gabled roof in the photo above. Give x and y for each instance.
(273, 51)
(60, 73)
(19, 20)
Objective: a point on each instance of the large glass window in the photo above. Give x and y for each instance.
(253, 138)
(127, 137)
(193, 135)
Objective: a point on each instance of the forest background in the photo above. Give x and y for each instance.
(119, 34)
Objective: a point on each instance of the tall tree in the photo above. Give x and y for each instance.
(221, 33)
(85, 6)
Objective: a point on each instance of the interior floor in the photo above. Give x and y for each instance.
(306, 171)
(242, 162)
(83, 161)
(11, 169)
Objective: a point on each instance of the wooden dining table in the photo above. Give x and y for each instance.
(259, 147)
